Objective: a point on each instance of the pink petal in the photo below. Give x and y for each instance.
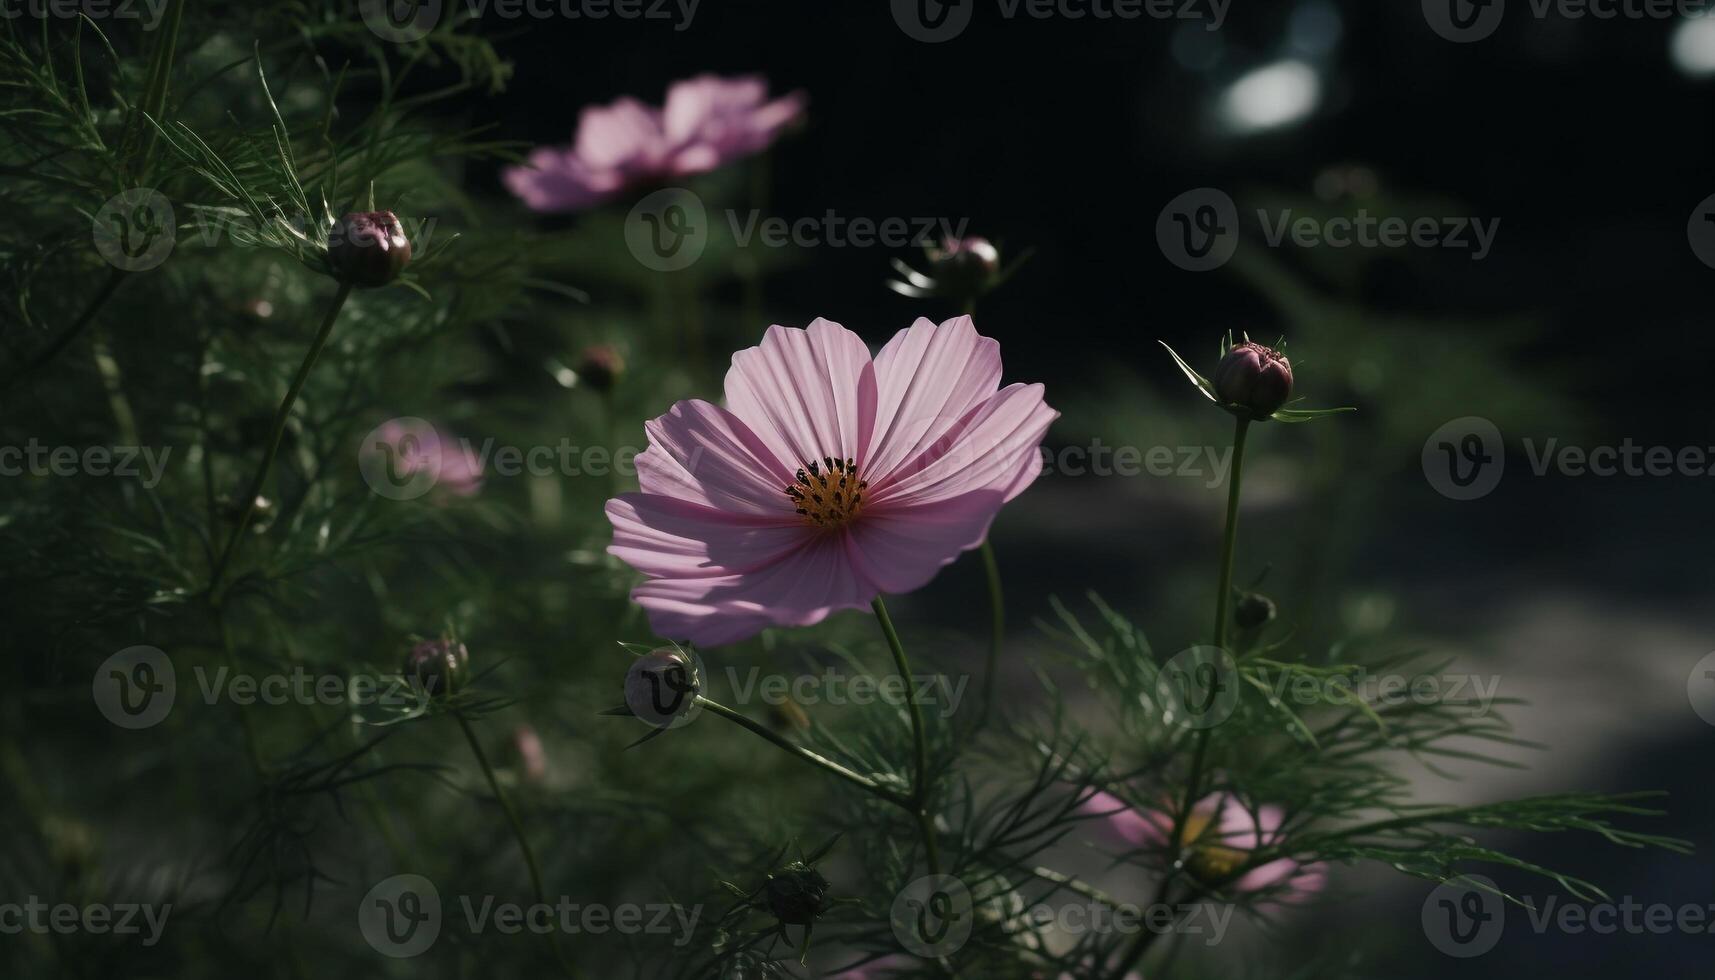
(927, 378)
(700, 452)
(800, 589)
(1127, 823)
(996, 447)
(900, 548)
(626, 134)
(808, 394)
(664, 536)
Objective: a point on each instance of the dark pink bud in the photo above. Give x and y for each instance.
(368, 248)
(965, 266)
(600, 367)
(437, 667)
(1254, 379)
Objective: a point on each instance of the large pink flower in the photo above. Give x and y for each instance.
(829, 477)
(1221, 833)
(707, 122)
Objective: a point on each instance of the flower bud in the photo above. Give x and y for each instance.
(1254, 380)
(600, 367)
(368, 248)
(797, 895)
(661, 687)
(1253, 610)
(964, 266)
(437, 667)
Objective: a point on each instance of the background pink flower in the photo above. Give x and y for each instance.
(829, 478)
(1223, 832)
(414, 445)
(707, 122)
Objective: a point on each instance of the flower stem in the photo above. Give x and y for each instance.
(517, 831)
(1199, 754)
(813, 758)
(920, 778)
(248, 501)
(997, 628)
(1224, 590)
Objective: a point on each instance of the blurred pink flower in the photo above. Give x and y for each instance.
(708, 121)
(411, 445)
(829, 478)
(531, 754)
(1221, 833)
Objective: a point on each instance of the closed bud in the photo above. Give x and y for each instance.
(1253, 610)
(661, 687)
(796, 896)
(600, 367)
(368, 248)
(437, 667)
(1253, 380)
(965, 266)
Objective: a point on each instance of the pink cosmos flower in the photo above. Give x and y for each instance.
(708, 121)
(1221, 833)
(829, 477)
(407, 446)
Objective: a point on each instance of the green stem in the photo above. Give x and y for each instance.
(820, 761)
(511, 812)
(71, 333)
(1199, 754)
(1224, 591)
(278, 433)
(920, 777)
(997, 628)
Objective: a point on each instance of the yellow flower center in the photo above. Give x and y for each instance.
(1211, 862)
(828, 494)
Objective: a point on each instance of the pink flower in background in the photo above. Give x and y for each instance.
(829, 477)
(708, 121)
(1221, 834)
(405, 447)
